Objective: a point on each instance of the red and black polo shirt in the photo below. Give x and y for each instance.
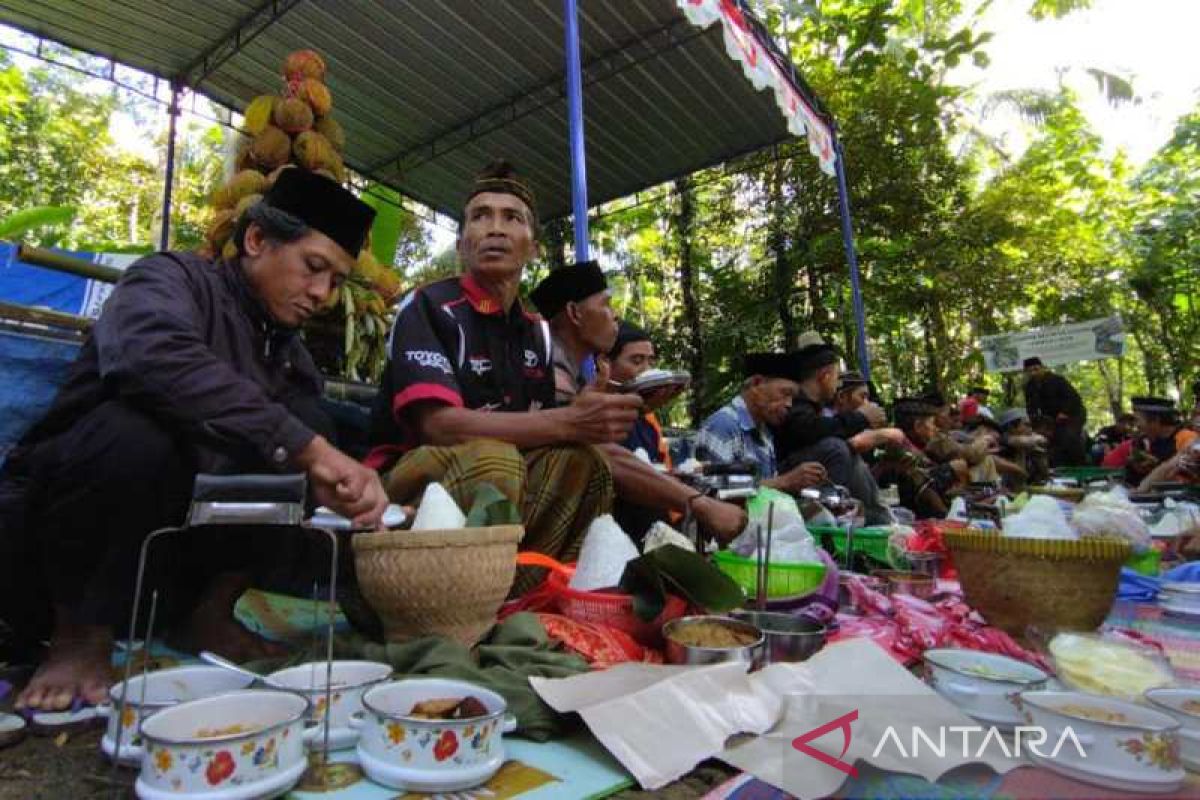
(453, 343)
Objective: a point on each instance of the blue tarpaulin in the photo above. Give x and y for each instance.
(33, 366)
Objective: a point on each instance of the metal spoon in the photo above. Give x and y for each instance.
(224, 663)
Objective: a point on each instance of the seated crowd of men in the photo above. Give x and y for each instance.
(197, 367)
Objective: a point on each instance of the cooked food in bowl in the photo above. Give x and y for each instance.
(1100, 666)
(1192, 706)
(712, 635)
(984, 671)
(1088, 712)
(229, 730)
(450, 708)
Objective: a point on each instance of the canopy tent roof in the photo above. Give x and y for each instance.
(429, 92)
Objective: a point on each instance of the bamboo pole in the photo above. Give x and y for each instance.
(44, 316)
(40, 257)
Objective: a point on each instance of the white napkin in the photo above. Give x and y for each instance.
(858, 676)
(438, 511)
(660, 721)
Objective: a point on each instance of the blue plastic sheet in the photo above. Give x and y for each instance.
(31, 370)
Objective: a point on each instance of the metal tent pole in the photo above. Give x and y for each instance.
(860, 319)
(164, 238)
(575, 115)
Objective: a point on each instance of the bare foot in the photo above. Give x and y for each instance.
(77, 666)
(212, 625)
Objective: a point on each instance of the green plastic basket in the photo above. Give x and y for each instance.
(783, 580)
(871, 542)
(1146, 563)
(1086, 474)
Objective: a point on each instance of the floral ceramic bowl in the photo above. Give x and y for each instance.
(246, 744)
(403, 751)
(1105, 741)
(1183, 705)
(350, 680)
(150, 693)
(984, 685)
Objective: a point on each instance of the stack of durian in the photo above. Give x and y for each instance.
(295, 130)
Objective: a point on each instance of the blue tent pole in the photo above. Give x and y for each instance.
(860, 319)
(575, 115)
(164, 239)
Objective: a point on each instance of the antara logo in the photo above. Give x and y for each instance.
(841, 723)
(1036, 739)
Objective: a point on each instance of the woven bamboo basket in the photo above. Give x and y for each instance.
(437, 583)
(1053, 584)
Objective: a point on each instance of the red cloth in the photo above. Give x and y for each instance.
(969, 408)
(1118, 456)
(599, 645)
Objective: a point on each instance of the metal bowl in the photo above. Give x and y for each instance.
(679, 653)
(914, 583)
(789, 639)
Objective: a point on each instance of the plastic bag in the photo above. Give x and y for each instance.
(661, 533)
(790, 540)
(1111, 514)
(1041, 518)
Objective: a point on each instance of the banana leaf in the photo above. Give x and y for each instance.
(648, 578)
(491, 507)
(19, 223)
(385, 231)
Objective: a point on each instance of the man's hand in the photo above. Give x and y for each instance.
(961, 470)
(799, 477)
(723, 520)
(601, 418)
(343, 484)
(875, 415)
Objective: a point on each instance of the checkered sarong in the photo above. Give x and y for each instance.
(559, 489)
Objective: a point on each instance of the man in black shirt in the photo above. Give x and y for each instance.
(807, 434)
(468, 394)
(1050, 395)
(192, 367)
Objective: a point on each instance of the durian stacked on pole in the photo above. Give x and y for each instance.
(295, 129)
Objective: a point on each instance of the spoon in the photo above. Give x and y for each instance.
(224, 663)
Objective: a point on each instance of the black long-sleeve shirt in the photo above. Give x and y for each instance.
(186, 341)
(1051, 394)
(805, 425)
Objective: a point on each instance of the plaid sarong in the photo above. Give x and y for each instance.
(559, 490)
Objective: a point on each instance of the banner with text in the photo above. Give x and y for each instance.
(1055, 345)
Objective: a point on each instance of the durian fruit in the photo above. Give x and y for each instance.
(245, 203)
(221, 198)
(293, 115)
(221, 227)
(244, 183)
(313, 151)
(303, 64)
(315, 93)
(331, 130)
(258, 114)
(271, 148)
